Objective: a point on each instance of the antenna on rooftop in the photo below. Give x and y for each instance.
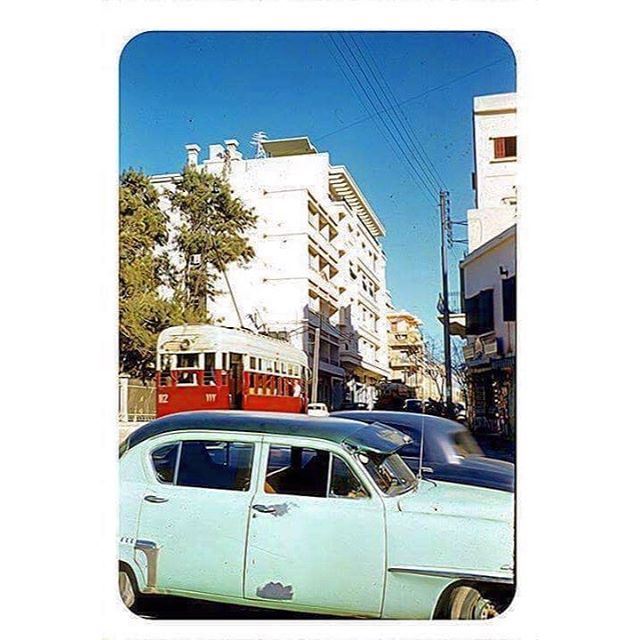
(256, 141)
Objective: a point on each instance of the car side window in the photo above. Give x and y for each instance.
(215, 465)
(344, 483)
(297, 471)
(164, 462)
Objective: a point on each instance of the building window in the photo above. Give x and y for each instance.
(509, 299)
(479, 313)
(504, 147)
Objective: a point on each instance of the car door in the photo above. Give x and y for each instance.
(316, 532)
(194, 515)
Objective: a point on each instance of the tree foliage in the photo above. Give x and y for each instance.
(211, 235)
(143, 232)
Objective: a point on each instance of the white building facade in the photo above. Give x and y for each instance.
(488, 273)
(318, 262)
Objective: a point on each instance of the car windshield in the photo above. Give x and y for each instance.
(389, 472)
(465, 445)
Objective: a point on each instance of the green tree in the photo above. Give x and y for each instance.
(144, 267)
(211, 235)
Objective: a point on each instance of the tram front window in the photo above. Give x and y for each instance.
(210, 368)
(187, 361)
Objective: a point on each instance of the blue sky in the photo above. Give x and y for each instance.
(204, 87)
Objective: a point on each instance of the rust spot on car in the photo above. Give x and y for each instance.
(280, 509)
(275, 591)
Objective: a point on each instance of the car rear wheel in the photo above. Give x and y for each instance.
(467, 603)
(128, 589)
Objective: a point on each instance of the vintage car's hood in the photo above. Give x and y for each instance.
(435, 497)
(478, 471)
(457, 529)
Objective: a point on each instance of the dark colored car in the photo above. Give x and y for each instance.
(449, 451)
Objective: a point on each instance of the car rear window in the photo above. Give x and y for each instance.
(164, 462)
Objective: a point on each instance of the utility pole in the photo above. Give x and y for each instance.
(316, 362)
(445, 231)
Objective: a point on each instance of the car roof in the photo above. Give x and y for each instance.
(404, 418)
(359, 435)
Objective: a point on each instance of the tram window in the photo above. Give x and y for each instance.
(187, 360)
(165, 362)
(252, 362)
(289, 369)
(225, 361)
(209, 368)
(187, 378)
(216, 465)
(269, 366)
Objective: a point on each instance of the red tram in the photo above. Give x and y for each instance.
(212, 367)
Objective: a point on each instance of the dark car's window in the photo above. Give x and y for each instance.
(464, 444)
(344, 483)
(297, 471)
(215, 465)
(164, 462)
(411, 450)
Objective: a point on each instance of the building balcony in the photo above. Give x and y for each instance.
(457, 319)
(322, 286)
(323, 246)
(369, 271)
(320, 321)
(370, 334)
(355, 362)
(482, 350)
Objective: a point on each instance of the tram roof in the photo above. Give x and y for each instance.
(375, 437)
(201, 337)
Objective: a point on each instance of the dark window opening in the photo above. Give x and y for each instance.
(509, 299)
(297, 471)
(164, 462)
(187, 361)
(216, 465)
(344, 484)
(479, 313)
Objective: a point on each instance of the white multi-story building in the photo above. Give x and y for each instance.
(488, 272)
(318, 261)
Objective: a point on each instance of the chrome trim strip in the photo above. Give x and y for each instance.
(150, 550)
(458, 575)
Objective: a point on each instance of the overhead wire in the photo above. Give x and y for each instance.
(388, 134)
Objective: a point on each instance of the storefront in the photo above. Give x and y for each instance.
(492, 397)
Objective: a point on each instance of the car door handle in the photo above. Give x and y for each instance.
(156, 499)
(263, 508)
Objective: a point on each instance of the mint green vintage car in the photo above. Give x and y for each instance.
(306, 514)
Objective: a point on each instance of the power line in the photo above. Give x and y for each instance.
(400, 114)
(400, 129)
(416, 97)
(413, 172)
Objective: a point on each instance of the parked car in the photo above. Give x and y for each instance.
(449, 451)
(413, 405)
(306, 514)
(317, 409)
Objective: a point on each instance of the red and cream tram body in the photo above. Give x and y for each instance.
(212, 367)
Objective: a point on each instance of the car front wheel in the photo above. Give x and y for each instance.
(467, 603)
(128, 590)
